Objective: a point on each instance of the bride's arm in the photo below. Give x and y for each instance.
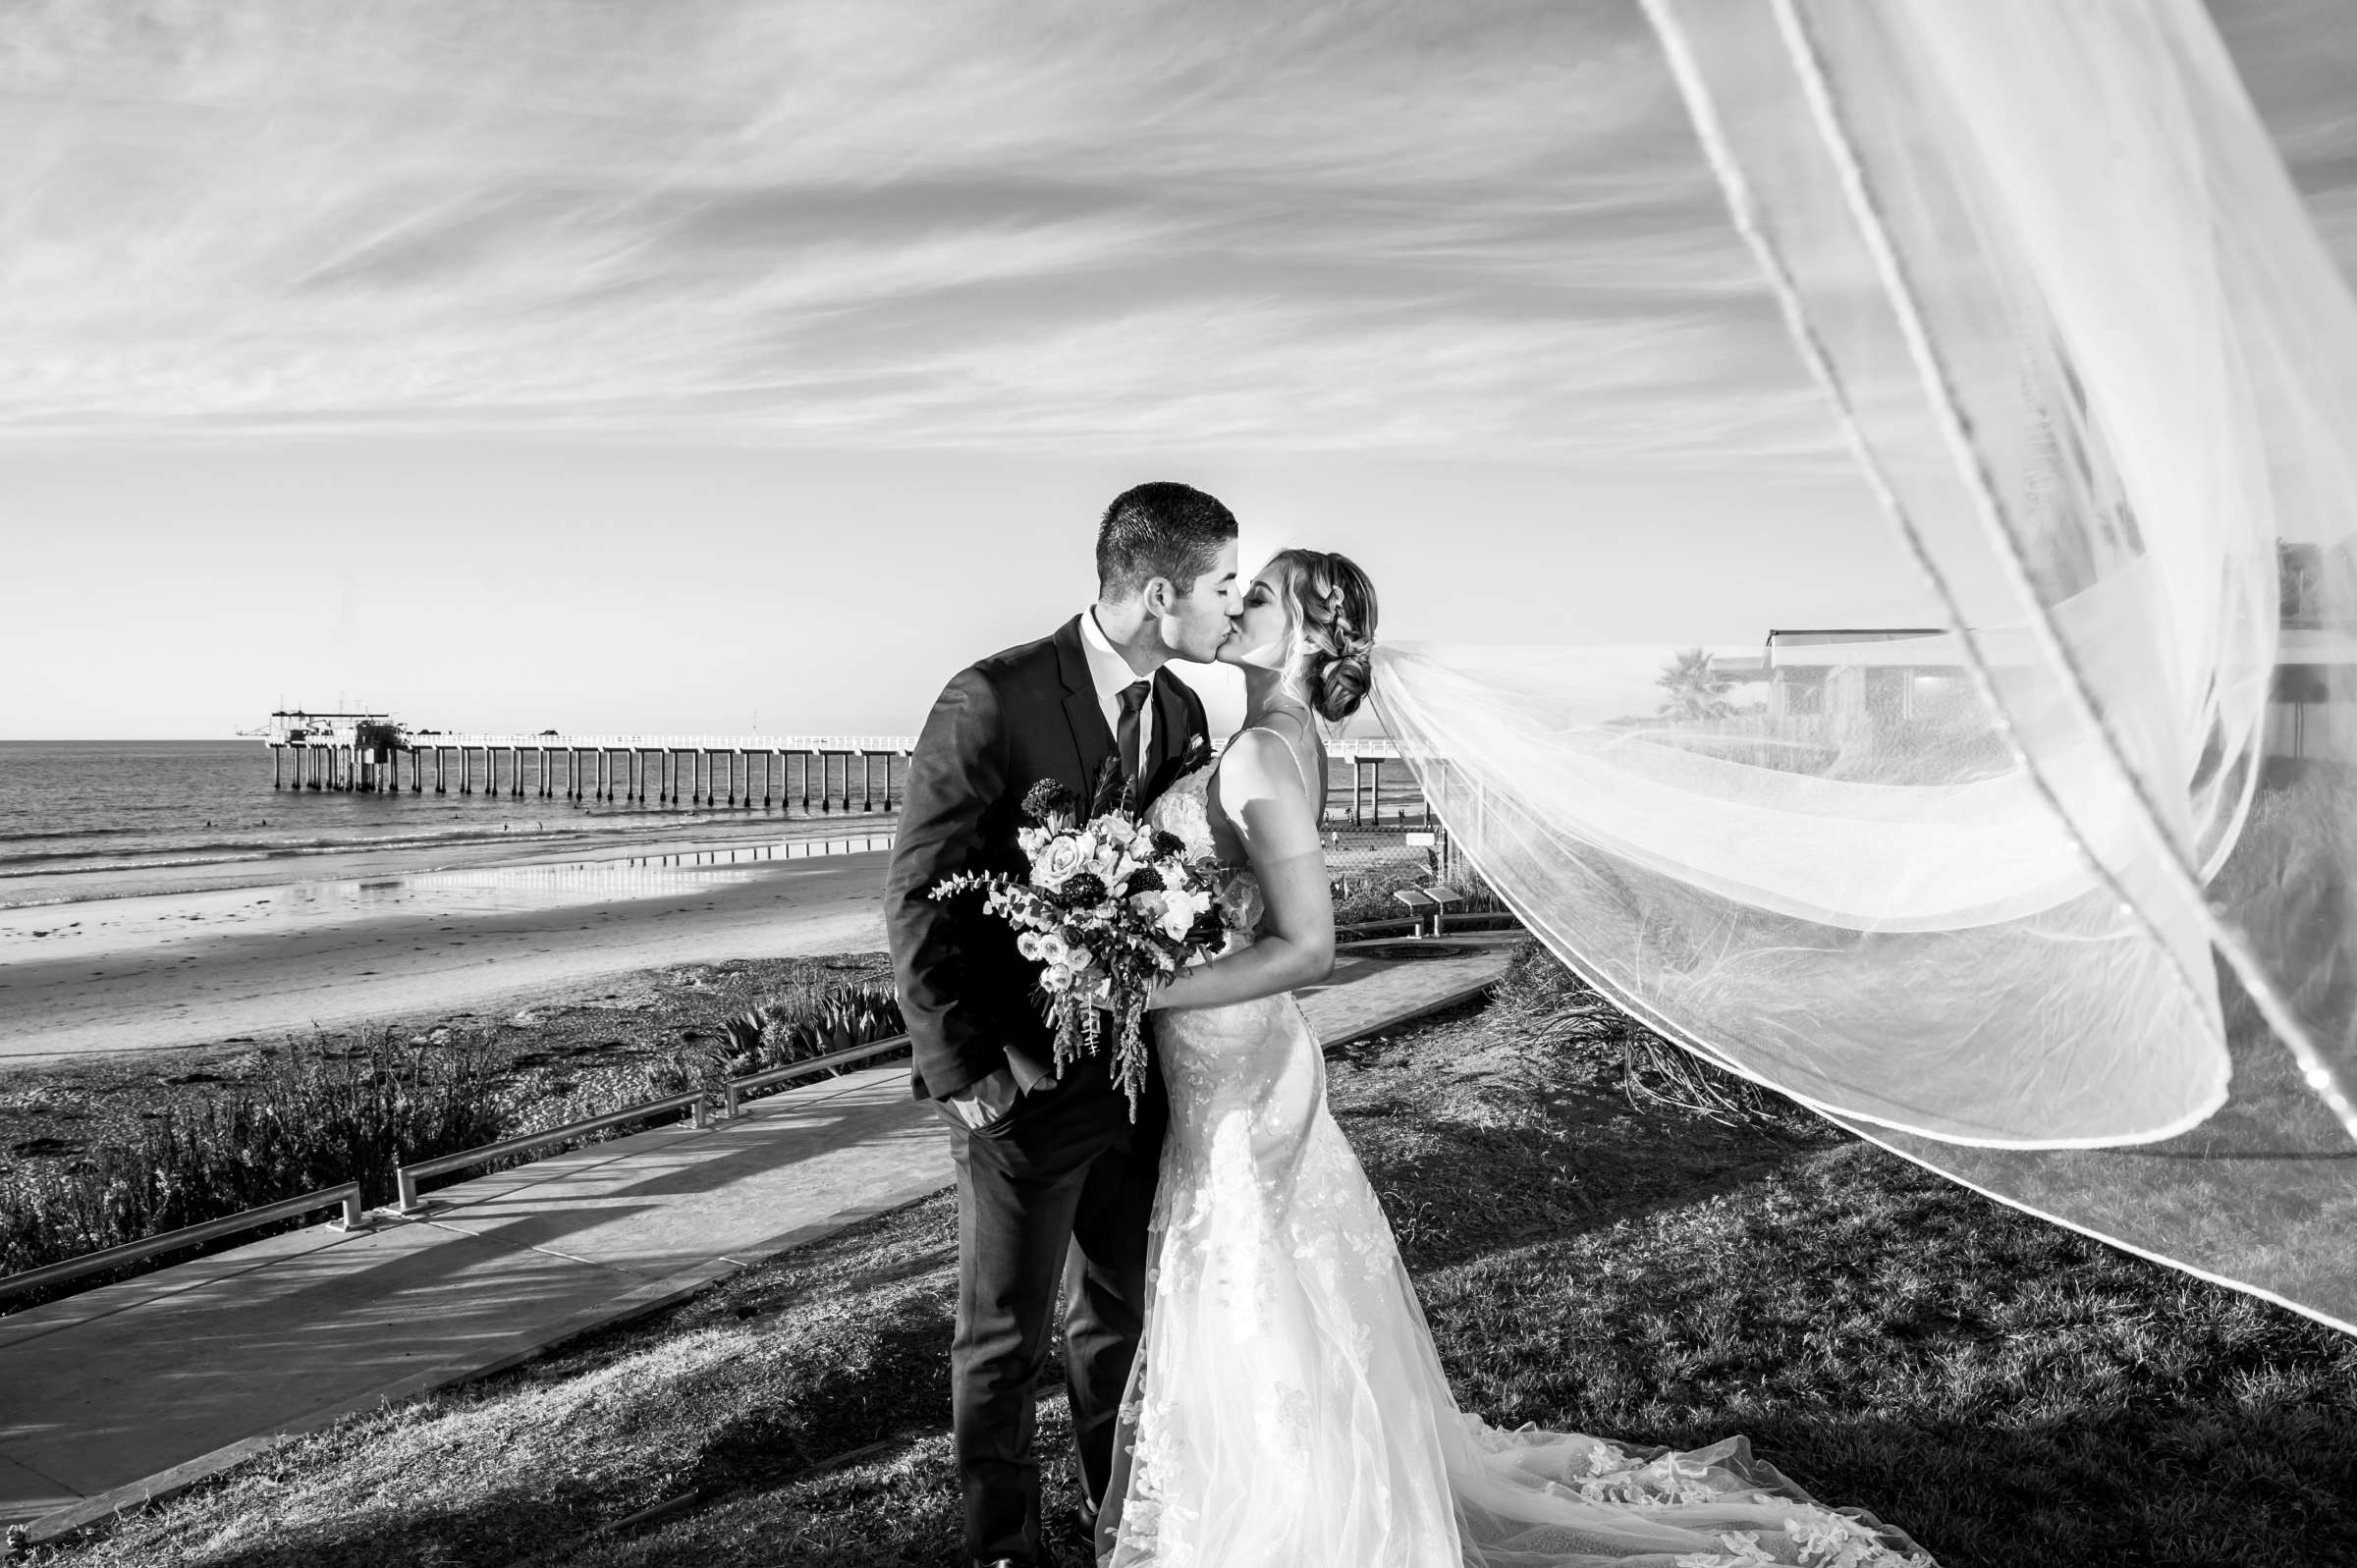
(1260, 791)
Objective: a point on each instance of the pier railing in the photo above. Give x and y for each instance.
(347, 1197)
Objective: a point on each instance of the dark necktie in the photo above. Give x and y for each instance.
(1133, 702)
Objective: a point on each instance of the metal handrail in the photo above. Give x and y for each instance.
(405, 1176)
(348, 1195)
(735, 1088)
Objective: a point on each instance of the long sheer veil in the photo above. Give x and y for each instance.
(2054, 900)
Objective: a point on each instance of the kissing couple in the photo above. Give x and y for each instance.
(1250, 1379)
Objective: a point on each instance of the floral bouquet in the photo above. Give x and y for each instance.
(1111, 907)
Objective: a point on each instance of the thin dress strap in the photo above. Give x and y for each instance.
(1316, 802)
(1316, 806)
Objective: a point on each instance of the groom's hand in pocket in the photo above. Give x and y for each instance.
(986, 1100)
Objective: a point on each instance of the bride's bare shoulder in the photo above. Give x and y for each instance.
(1259, 763)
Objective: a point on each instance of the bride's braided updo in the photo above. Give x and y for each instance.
(1331, 602)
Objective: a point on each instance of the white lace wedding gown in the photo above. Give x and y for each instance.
(1286, 1408)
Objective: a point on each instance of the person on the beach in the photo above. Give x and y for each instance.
(1054, 1182)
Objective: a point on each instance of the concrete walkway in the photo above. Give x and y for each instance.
(134, 1390)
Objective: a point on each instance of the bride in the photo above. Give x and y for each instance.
(1286, 1407)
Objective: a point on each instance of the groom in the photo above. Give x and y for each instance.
(1052, 1177)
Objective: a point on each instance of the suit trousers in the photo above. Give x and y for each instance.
(1062, 1187)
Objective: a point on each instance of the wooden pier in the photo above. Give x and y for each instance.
(370, 754)
(810, 775)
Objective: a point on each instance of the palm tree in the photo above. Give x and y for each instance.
(1696, 689)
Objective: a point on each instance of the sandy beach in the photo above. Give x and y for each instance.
(208, 964)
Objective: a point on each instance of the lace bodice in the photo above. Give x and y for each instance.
(1184, 810)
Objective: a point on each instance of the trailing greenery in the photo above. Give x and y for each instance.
(316, 1113)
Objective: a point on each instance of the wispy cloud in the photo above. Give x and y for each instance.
(1473, 228)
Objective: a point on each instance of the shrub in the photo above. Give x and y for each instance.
(811, 1024)
(1366, 896)
(1362, 895)
(313, 1115)
(1541, 996)
(814, 1016)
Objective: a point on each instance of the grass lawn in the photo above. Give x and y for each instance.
(2005, 1391)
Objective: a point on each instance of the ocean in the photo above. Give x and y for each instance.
(74, 811)
(93, 819)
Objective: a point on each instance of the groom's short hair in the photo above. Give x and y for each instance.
(1162, 529)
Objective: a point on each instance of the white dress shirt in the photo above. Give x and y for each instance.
(1113, 675)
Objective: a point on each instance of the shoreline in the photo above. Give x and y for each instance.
(569, 1051)
(381, 936)
(26, 889)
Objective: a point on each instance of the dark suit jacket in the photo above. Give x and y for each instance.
(999, 727)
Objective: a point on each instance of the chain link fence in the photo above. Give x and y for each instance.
(1381, 838)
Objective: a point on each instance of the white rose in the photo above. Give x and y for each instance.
(1062, 858)
(1181, 908)
(1115, 830)
(1180, 814)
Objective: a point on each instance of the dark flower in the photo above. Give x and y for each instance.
(1169, 844)
(1046, 798)
(1146, 879)
(1207, 929)
(1080, 889)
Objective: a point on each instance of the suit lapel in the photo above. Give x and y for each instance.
(1092, 738)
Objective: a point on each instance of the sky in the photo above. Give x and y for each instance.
(723, 364)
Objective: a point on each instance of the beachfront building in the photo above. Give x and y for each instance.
(1847, 683)
(2312, 710)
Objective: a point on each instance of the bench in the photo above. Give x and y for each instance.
(1426, 904)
